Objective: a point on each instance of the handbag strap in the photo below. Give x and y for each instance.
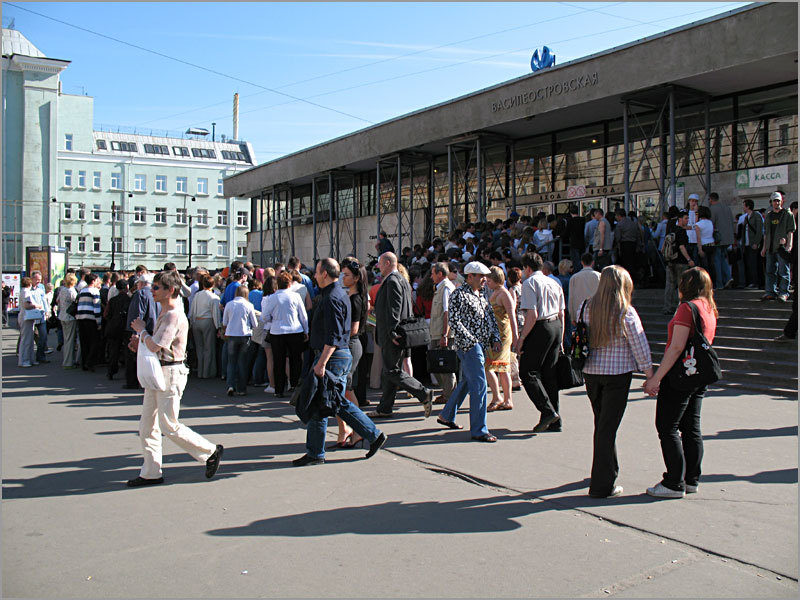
(697, 321)
(580, 312)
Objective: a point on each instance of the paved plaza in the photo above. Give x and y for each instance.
(432, 515)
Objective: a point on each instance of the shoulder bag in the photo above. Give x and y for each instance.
(442, 360)
(580, 341)
(567, 374)
(414, 332)
(698, 364)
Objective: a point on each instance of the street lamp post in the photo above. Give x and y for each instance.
(190, 235)
(113, 233)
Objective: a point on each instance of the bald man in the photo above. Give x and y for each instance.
(392, 305)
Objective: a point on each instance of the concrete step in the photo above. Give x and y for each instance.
(763, 341)
(755, 356)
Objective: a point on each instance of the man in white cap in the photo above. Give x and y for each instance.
(474, 329)
(778, 226)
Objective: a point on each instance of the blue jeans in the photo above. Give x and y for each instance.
(237, 362)
(339, 366)
(258, 358)
(472, 379)
(776, 275)
(722, 266)
(41, 343)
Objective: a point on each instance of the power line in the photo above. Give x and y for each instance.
(190, 64)
(459, 63)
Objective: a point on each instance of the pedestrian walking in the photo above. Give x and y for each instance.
(160, 409)
(67, 296)
(678, 412)
(778, 226)
(618, 347)
(498, 364)
(142, 306)
(441, 334)
(239, 319)
(474, 328)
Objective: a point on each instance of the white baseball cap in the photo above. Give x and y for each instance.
(776, 196)
(476, 267)
(694, 197)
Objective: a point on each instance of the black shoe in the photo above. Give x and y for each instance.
(555, 426)
(59, 347)
(427, 402)
(545, 422)
(376, 445)
(212, 464)
(140, 481)
(307, 460)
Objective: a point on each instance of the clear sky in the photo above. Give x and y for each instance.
(332, 68)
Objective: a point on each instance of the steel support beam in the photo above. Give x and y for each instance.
(626, 169)
(673, 179)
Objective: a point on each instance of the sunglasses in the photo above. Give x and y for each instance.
(353, 265)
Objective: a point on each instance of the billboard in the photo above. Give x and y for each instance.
(11, 280)
(52, 261)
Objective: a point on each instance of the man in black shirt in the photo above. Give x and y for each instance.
(329, 339)
(679, 264)
(577, 243)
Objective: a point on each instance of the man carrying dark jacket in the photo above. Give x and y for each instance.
(392, 305)
(142, 306)
(329, 339)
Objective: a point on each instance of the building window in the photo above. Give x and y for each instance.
(241, 218)
(228, 155)
(161, 215)
(161, 183)
(180, 216)
(82, 243)
(203, 153)
(101, 145)
(96, 213)
(81, 179)
(140, 214)
(81, 212)
(202, 247)
(202, 186)
(68, 141)
(783, 135)
(116, 214)
(140, 183)
(116, 244)
(219, 187)
(156, 149)
(139, 245)
(68, 243)
(116, 181)
(241, 249)
(68, 178)
(161, 246)
(68, 211)
(222, 217)
(180, 151)
(181, 185)
(222, 248)
(202, 216)
(124, 146)
(96, 180)
(96, 244)
(180, 247)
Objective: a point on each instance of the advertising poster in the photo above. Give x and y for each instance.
(39, 260)
(58, 267)
(12, 280)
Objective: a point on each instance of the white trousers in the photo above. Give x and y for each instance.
(160, 414)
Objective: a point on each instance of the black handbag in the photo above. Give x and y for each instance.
(413, 332)
(567, 374)
(698, 364)
(579, 351)
(442, 360)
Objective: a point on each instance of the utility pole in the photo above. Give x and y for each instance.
(190, 243)
(113, 233)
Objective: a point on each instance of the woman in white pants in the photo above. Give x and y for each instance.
(160, 409)
(26, 351)
(66, 297)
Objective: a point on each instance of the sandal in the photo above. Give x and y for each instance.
(485, 438)
(450, 424)
(505, 407)
(494, 406)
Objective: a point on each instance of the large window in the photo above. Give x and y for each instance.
(82, 243)
(202, 216)
(161, 183)
(124, 146)
(68, 141)
(180, 216)
(82, 179)
(116, 244)
(222, 248)
(202, 247)
(139, 214)
(161, 215)
(96, 244)
(140, 183)
(68, 211)
(202, 186)
(116, 214)
(156, 149)
(241, 218)
(180, 151)
(96, 212)
(81, 212)
(161, 246)
(139, 245)
(96, 180)
(116, 181)
(222, 217)
(68, 243)
(180, 247)
(68, 178)
(203, 153)
(181, 185)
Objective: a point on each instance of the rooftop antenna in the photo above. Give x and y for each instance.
(11, 23)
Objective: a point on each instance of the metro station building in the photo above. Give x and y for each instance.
(710, 106)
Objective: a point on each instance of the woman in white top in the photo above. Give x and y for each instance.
(67, 296)
(238, 319)
(298, 286)
(25, 349)
(285, 317)
(204, 315)
(543, 240)
(704, 229)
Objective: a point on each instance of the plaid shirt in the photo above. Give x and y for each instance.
(471, 319)
(625, 354)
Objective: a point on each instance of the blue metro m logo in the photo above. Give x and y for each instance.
(548, 59)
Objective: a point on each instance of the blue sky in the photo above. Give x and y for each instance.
(358, 63)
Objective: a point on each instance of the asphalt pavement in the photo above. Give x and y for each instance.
(432, 515)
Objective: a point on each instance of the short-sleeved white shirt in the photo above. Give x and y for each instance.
(543, 294)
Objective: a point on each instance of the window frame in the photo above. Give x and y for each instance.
(67, 178)
(161, 189)
(97, 180)
(178, 182)
(139, 245)
(96, 212)
(181, 247)
(101, 145)
(202, 216)
(137, 179)
(160, 217)
(204, 181)
(181, 216)
(95, 244)
(82, 180)
(140, 214)
(67, 211)
(222, 218)
(239, 215)
(159, 243)
(117, 175)
(202, 250)
(69, 141)
(222, 245)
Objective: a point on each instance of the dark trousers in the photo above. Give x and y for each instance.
(89, 338)
(286, 346)
(131, 380)
(393, 377)
(600, 262)
(751, 258)
(537, 365)
(790, 330)
(679, 412)
(707, 262)
(609, 397)
(114, 350)
(627, 257)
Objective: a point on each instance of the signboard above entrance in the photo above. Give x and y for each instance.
(577, 191)
(763, 177)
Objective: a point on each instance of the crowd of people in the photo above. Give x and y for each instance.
(504, 296)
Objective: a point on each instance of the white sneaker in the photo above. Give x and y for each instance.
(691, 489)
(269, 389)
(230, 391)
(26, 365)
(659, 491)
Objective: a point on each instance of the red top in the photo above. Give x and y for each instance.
(683, 316)
(424, 306)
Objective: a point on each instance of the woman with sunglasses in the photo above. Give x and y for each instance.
(354, 278)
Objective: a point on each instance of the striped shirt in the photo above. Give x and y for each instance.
(89, 305)
(625, 354)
